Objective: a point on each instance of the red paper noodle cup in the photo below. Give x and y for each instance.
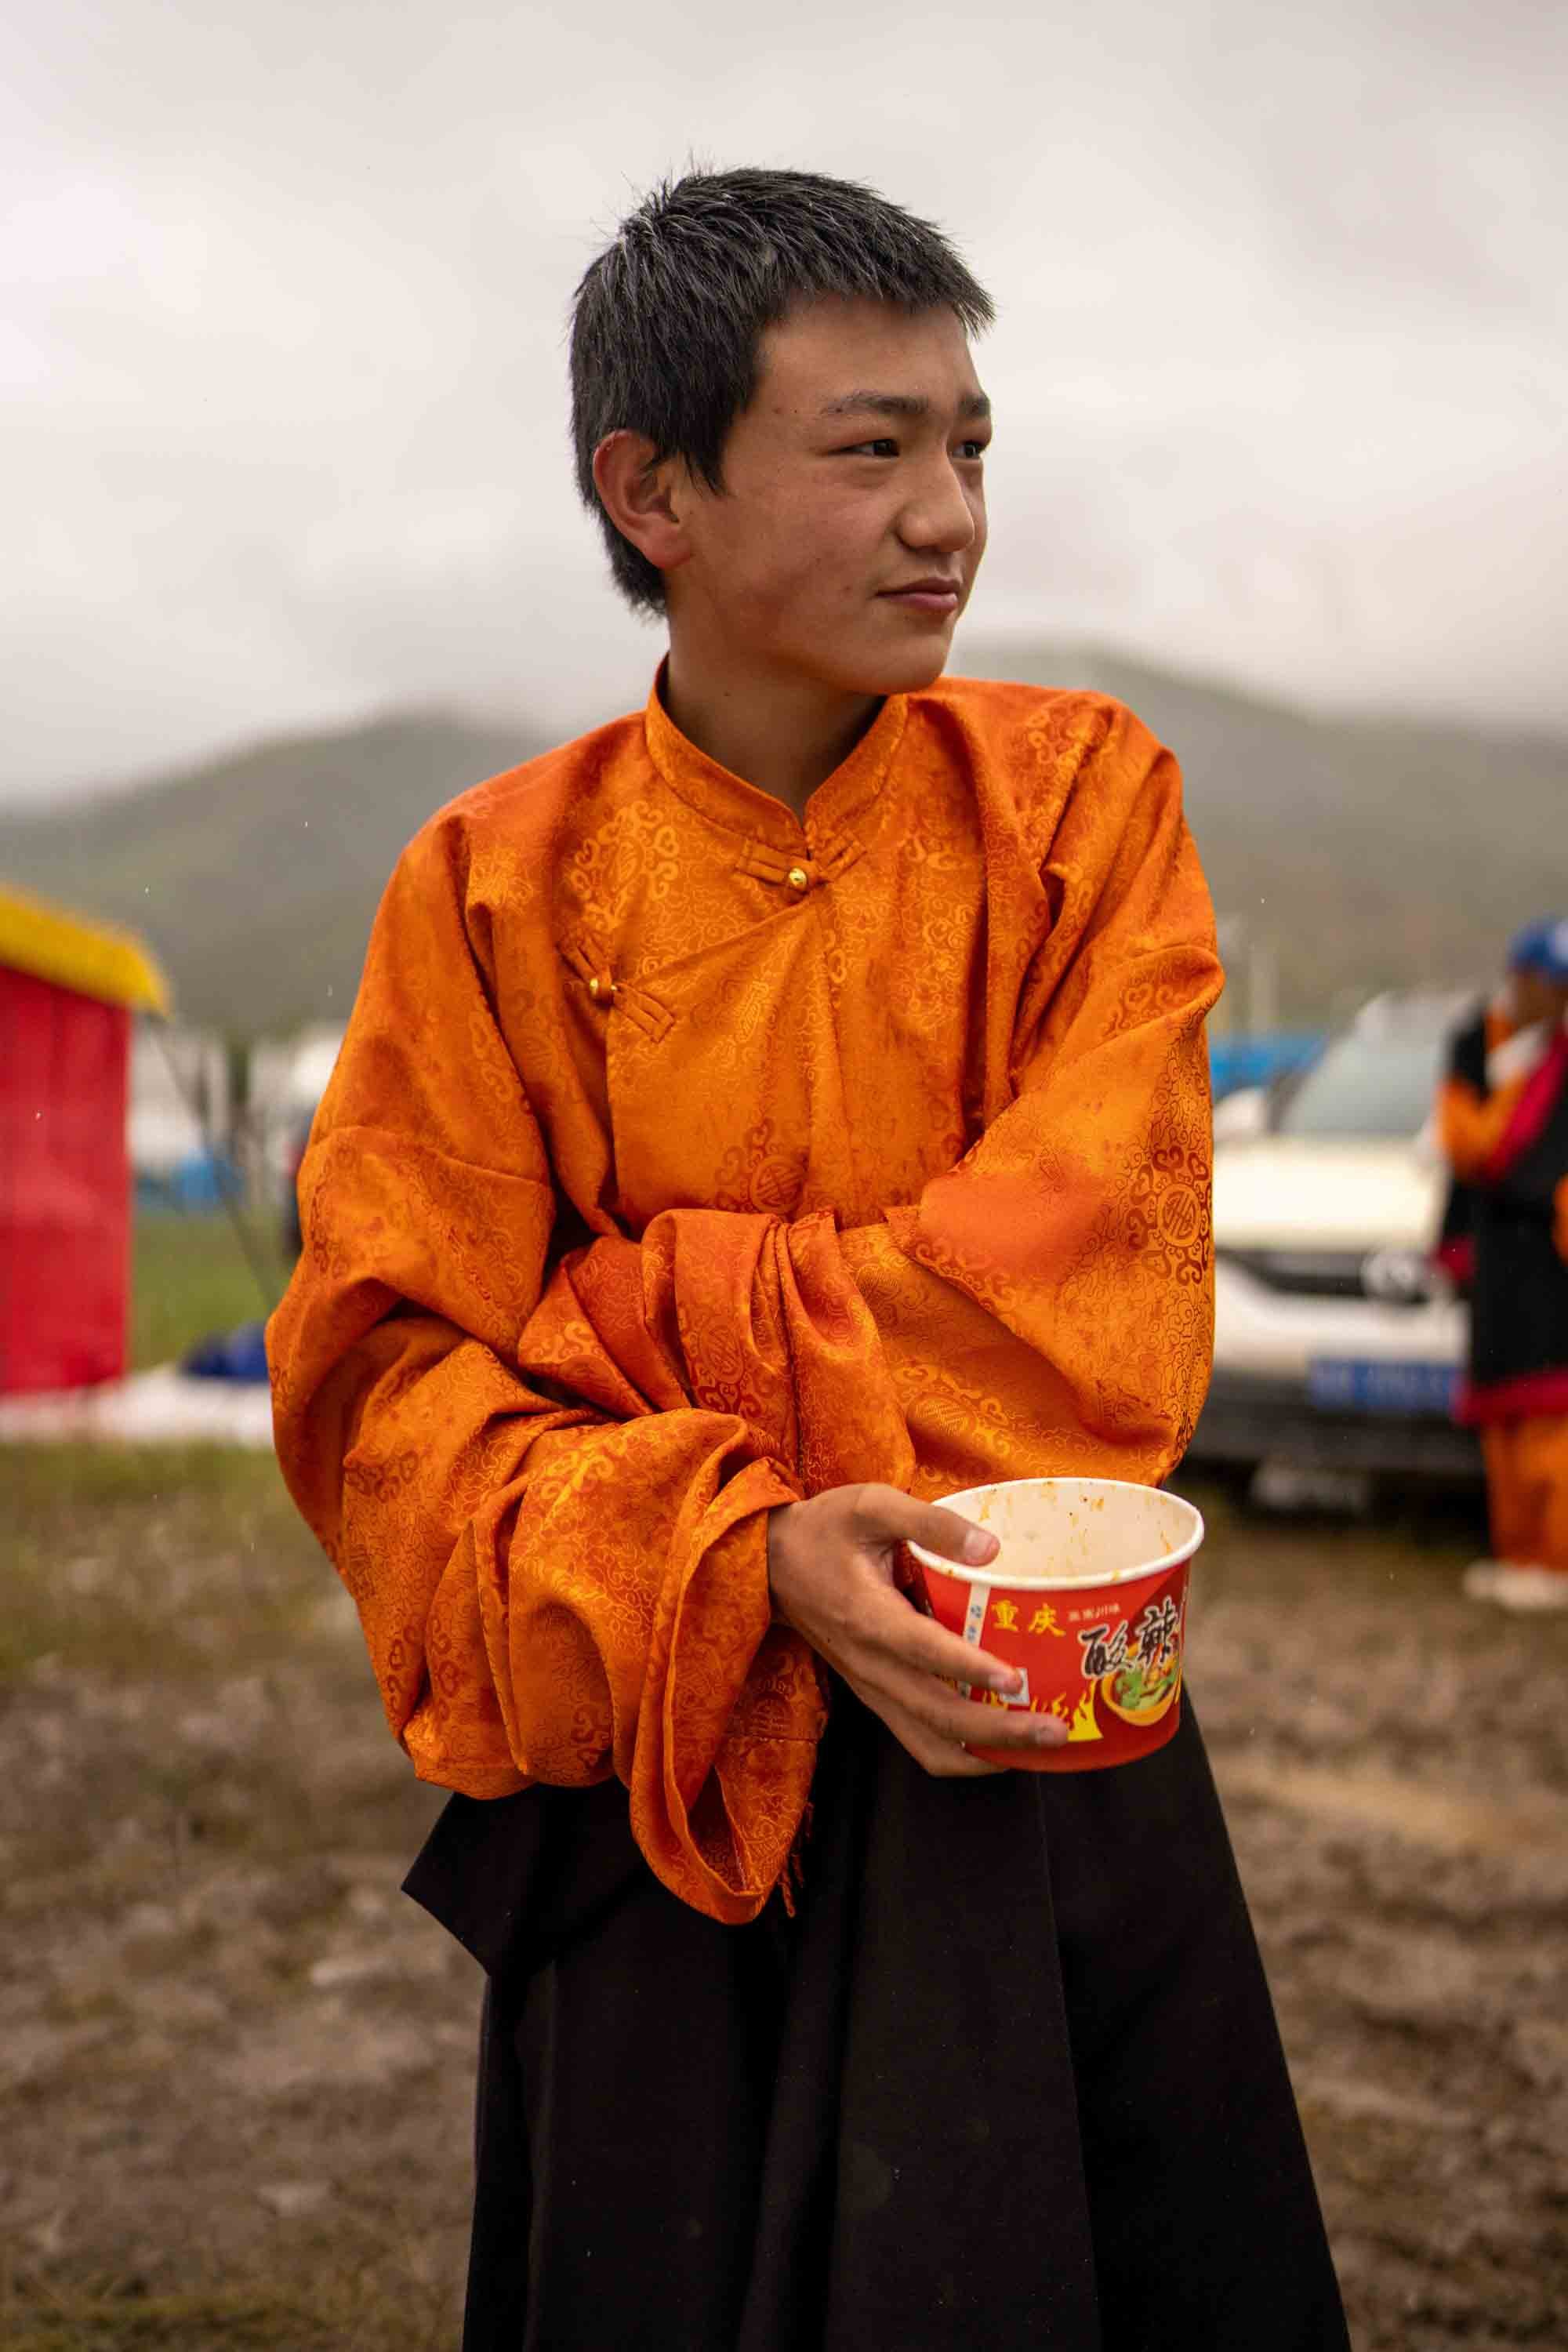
(1089, 1596)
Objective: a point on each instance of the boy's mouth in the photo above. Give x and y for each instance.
(934, 594)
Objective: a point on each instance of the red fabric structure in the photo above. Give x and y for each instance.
(65, 1175)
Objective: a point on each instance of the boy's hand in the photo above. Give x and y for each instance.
(830, 1564)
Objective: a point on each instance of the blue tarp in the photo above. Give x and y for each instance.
(229, 1356)
(205, 1180)
(1236, 1062)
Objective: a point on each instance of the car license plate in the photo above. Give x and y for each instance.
(1357, 1384)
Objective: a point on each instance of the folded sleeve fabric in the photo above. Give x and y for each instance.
(681, 1162)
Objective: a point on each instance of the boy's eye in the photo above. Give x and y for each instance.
(887, 448)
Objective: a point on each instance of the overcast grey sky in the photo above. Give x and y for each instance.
(1280, 373)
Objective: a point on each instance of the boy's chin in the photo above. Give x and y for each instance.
(902, 669)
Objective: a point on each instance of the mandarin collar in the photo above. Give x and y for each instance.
(842, 803)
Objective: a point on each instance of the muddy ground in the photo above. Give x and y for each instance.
(235, 2064)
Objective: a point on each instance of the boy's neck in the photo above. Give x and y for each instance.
(785, 736)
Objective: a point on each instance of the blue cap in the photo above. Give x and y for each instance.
(1541, 948)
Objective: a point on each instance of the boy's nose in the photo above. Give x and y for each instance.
(940, 515)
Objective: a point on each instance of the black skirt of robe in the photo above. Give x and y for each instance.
(1009, 2080)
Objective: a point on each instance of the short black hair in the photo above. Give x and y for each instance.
(667, 321)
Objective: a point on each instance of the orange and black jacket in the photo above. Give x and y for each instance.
(1506, 1227)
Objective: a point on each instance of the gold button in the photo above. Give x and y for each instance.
(798, 878)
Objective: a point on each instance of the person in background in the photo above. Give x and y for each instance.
(1503, 1120)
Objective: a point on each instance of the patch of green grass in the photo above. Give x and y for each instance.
(116, 1558)
(191, 1276)
(45, 1478)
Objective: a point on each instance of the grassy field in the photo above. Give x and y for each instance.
(190, 1275)
(236, 2064)
(210, 1989)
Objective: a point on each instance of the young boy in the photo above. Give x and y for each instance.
(1503, 1115)
(775, 1111)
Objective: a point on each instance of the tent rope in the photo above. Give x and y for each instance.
(265, 1285)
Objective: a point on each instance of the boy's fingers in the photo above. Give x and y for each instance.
(967, 1725)
(957, 1720)
(886, 1515)
(949, 1763)
(944, 1759)
(918, 1642)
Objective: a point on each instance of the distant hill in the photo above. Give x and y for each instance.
(254, 878)
(1370, 851)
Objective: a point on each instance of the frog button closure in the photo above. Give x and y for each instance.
(798, 878)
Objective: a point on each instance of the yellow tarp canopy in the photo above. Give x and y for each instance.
(73, 952)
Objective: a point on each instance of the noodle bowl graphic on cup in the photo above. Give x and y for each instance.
(1089, 1597)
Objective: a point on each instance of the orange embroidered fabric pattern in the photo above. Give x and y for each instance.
(682, 1161)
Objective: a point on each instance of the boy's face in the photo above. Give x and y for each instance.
(846, 541)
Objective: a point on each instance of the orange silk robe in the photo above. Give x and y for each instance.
(681, 1162)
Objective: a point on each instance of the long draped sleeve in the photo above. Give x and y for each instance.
(558, 1562)
(547, 1486)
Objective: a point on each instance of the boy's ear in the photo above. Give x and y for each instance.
(638, 493)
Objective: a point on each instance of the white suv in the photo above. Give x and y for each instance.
(1338, 1343)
